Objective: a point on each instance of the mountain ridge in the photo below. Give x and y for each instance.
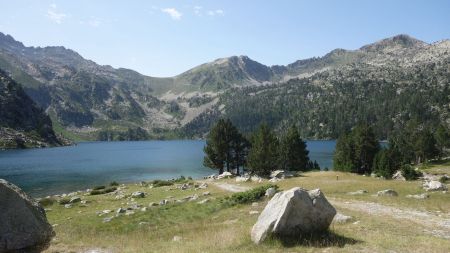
(78, 93)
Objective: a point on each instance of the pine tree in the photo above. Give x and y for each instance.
(293, 153)
(216, 147)
(343, 159)
(263, 155)
(366, 146)
(355, 151)
(442, 136)
(225, 148)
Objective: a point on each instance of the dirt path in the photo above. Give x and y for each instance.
(231, 187)
(435, 224)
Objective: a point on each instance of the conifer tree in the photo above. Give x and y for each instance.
(293, 153)
(263, 155)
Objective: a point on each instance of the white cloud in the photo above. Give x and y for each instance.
(54, 15)
(197, 10)
(94, 22)
(217, 12)
(173, 13)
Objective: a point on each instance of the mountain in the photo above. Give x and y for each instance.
(389, 84)
(22, 123)
(91, 101)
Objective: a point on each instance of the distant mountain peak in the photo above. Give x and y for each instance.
(401, 40)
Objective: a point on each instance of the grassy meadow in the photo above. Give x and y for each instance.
(217, 226)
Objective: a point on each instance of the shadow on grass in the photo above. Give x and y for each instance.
(318, 240)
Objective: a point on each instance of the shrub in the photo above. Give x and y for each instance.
(100, 187)
(410, 173)
(103, 191)
(114, 183)
(64, 201)
(250, 195)
(159, 183)
(444, 179)
(47, 201)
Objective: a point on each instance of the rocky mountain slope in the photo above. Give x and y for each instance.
(91, 100)
(22, 123)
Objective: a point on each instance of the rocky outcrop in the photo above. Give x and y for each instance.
(23, 223)
(293, 213)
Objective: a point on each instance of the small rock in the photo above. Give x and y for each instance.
(203, 201)
(120, 210)
(270, 192)
(434, 186)
(253, 212)
(255, 204)
(275, 179)
(256, 179)
(152, 204)
(107, 219)
(226, 174)
(142, 223)
(83, 202)
(68, 206)
(144, 209)
(203, 185)
(128, 213)
(242, 179)
(358, 192)
(106, 211)
(388, 192)
(418, 196)
(138, 194)
(193, 197)
(340, 218)
(177, 238)
(163, 202)
(398, 176)
(75, 200)
(206, 193)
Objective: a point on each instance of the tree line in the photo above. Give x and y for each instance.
(359, 151)
(261, 153)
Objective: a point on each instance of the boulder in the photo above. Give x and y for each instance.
(270, 192)
(398, 176)
(23, 223)
(292, 213)
(434, 186)
(388, 192)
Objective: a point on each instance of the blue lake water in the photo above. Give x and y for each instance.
(41, 172)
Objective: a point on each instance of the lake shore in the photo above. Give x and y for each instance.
(193, 219)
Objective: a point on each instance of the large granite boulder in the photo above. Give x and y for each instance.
(23, 224)
(293, 213)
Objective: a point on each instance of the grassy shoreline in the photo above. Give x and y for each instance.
(215, 227)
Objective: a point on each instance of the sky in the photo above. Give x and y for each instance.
(166, 38)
